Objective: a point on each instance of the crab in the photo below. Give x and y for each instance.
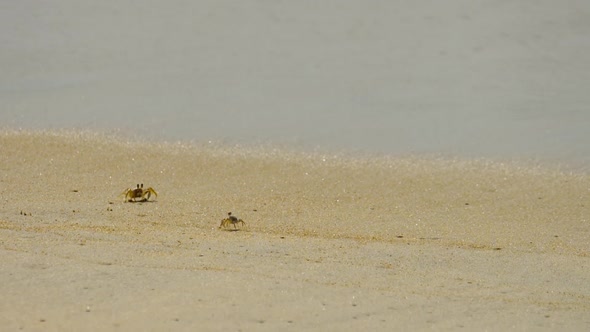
(231, 220)
(131, 195)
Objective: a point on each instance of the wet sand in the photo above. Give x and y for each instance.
(331, 242)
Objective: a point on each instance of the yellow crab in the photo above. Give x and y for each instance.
(131, 195)
(231, 220)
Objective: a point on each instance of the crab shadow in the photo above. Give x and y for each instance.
(231, 229)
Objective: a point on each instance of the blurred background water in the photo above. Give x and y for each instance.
(473, 78)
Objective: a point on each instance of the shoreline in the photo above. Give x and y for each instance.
(301, 152)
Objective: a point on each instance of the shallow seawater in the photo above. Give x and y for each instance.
(336, 77)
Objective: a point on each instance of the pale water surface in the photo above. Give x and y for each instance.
(498, 79)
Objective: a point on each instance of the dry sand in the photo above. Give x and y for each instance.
(332, 242)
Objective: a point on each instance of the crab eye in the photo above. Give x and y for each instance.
(138, 186)
(142, 185)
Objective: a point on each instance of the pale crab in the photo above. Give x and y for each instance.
(131, 195)
(231, 220)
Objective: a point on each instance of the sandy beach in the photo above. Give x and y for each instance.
(331, 242)
(323, 118)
